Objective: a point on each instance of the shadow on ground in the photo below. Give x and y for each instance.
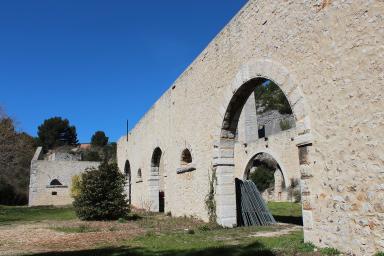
(289, 219)
(253, 249)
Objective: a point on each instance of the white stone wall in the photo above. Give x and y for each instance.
(44, 171)
(329, 62)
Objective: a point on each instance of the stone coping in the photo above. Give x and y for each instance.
(186, 168)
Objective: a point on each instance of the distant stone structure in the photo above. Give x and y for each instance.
(328, 58)
(51, 178)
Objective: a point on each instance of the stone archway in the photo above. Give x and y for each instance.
(247, 78)
(282, 167)
(284, 185)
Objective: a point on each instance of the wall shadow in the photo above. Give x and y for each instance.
(255, 248)
(289, 219)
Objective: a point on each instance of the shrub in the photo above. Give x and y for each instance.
(101, 195)
(285, 125)
(263, 177)
(294, 191)
(329, 251)
(204, 228)
(379, 254)
(91, 155)
(307, 247)
(190, 231)
(121, 220)
(297, 195)
(75, 187)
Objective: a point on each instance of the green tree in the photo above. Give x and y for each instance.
(101, 194)
(16, 152)
(55, 132)
(263, 177)
(99, 139)
(269, 96)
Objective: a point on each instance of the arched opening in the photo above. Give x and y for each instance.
(273, 110)
(55, 182)
(127, 173)
(186, 157)
(282, 195)
(266, 173)
(156, 182)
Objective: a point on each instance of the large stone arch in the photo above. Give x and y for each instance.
(234, 100)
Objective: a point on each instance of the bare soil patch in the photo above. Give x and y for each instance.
(44, 236)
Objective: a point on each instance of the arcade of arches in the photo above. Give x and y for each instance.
(224, 109)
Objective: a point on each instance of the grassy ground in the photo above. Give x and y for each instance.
(286, 212)
(12, 214)
(145, 234)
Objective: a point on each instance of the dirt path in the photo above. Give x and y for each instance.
(44, 236)
(281, 232)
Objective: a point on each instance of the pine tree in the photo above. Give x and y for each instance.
(55, 132)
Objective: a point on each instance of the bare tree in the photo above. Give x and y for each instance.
(16, 151)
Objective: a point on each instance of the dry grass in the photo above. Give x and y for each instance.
(144, 234)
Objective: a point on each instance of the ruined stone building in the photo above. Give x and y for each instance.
(51, 177)
(328, 59)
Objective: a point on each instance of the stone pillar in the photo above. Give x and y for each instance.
(306, 197)
(225, 196)
(250, 120)
(278, 186)
(225, 191)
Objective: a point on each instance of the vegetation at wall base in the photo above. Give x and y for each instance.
(210, 202)
(329, 251)
(101, 194)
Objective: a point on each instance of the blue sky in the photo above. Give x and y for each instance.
(96, 62)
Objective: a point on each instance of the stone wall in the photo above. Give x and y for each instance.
(41, 192)
(328, 59)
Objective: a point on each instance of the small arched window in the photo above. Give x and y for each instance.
(55, 182)
(139, 174)
(186, 157)
(186, 162)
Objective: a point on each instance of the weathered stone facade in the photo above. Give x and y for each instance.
(328, 58)
(50, 179)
